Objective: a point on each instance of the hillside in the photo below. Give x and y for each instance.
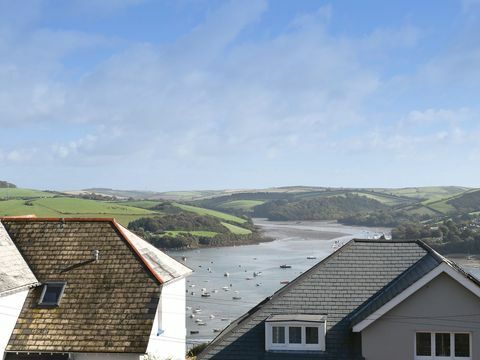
(326, 208)
(188, 226)
(5, 184)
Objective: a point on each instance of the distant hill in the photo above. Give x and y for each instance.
(4, 184)
(326, 208)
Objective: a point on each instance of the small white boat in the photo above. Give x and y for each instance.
(204, 289)
(206, 294)
(226, 274)
(192, 316)
(198, 320)
(236, 297)
(212, 316)
(248, 278)
(225, 319)
(258, 284)
(311, 257)
(216, 330)
(201, 324)
(197, 310)
(257, 273)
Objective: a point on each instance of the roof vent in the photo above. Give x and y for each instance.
(96, 255)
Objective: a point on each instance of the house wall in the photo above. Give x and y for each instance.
(10, 307)
(435, 307)
(167, 340)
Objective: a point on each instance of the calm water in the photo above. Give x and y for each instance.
(294, 242)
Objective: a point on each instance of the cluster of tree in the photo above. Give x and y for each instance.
(460, 235)
(155, 230)
(386, 217)
(467, 203)
(95, 196)
(190, 241)
(185, 221)
(327, 208)
(5, 184)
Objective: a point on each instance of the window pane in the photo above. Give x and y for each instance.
(462, 345)
(311, 335)
(52, 293)
(295, 335)
(442, 344)
(278, 335)
(424, 344)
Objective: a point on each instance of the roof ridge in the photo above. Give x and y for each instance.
(401, 241)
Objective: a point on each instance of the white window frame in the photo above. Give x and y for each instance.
(452, 346)
(303, 346)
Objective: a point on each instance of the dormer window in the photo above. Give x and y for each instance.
(52, 293)
(295, 332)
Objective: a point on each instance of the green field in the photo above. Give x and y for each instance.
(242, 204)
(214, 213)
(12, 193)
(427, 192)
(143, 204)
(236, 229)
(72, 207)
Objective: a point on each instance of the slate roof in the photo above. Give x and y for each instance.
(337, 286)
(15, 273)
(107, 306)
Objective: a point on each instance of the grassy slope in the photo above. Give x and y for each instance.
(236, 229)
(72, 207)
(217, 214)
(241, 204)
(10, 193)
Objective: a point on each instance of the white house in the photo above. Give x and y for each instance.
(87, 289)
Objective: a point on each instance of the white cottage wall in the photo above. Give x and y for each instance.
(167, 340)
(10, 307)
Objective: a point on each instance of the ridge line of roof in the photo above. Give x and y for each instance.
(385, 241)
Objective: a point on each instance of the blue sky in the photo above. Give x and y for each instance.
(197, 94)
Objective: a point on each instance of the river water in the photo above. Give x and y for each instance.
(294, 242)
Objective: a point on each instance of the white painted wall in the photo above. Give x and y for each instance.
(167, 340)
(10, 307)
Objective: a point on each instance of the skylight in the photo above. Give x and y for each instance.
(52, 293)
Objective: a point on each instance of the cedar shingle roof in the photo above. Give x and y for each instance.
(14, 271)
(336, 287)
(107, 306)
